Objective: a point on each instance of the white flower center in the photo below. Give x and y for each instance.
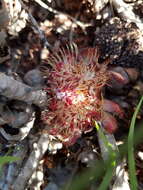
(71, 97)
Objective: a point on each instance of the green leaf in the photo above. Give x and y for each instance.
(131, 159)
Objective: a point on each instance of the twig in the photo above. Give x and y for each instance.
(126, 12)
(11, 10)
(32, 162)
(100, 5)
(37, 178)
(36, 26)
(50, 9)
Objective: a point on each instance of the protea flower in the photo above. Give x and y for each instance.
(75, 85)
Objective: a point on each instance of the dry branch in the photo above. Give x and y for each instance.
(100, 4)
(36, 26)
(23, 131)
(74, 20)
(126, 12)
(13, 89)
(32, 162)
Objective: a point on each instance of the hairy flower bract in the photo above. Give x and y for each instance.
(74, 86)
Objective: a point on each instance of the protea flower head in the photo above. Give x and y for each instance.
(75, 85)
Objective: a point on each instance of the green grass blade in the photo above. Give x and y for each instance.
(6, 159)
(131, 159)
(112, 153)
(111, 162)
(107, 178)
